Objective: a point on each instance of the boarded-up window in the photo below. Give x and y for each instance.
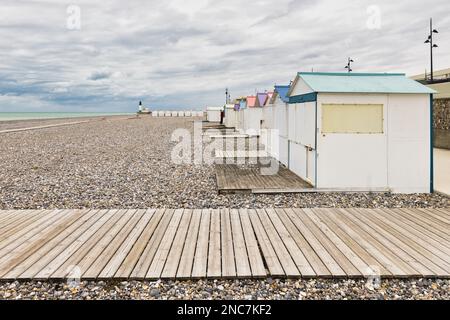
(352, 118)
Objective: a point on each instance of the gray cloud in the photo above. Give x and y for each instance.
(178, 54)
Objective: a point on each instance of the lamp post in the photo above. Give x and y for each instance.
(432, 46)
(349, 65)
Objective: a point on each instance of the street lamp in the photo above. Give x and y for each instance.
(349, 65)
(432, 45)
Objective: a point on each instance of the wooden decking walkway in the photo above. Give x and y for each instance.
(234, 179)
(224, 243)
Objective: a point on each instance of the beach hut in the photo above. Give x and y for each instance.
(230, 115)
(213, 114)
(361, 132)
(249, 115)
(278, 112)
(155, 114)
(200, 114)
(241, 104)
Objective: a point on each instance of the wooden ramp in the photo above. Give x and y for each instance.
(234, 179)
(224, 243)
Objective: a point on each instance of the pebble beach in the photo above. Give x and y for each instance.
(126, 163)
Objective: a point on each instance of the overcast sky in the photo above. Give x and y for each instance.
(180, 54)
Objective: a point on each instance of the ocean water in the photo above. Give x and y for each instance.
(8, 116)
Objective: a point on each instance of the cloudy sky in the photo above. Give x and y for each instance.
(176, 54)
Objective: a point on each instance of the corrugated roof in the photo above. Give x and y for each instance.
(283, 92)
(362, 83)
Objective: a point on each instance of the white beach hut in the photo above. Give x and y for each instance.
(280, 123)
(213, 114)
(155, 114)
(230, 115)
(361, 132)
(252, 116)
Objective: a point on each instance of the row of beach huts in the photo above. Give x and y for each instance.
(177, 114)
(344, 131)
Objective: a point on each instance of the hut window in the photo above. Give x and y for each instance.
(352, 118)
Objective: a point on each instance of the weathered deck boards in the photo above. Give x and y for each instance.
(224, 243)
(234, 179)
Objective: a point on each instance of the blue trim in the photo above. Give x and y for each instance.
(347, 74)
(431, 145)
(308, 97)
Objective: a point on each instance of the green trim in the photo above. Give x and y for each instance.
(431, 145)
(308, 97)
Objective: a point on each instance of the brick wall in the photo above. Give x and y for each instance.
(441, 123)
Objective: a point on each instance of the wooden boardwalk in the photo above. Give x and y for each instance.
(224, 243)
(234, 179)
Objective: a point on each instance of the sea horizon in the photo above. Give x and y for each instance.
(11, 116)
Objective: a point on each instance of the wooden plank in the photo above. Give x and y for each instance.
(435, 214)
(35, 263)
(71, 249)
(81, 255)
(156, 268)
(296, 253)
(131, 260)
(362, 267)
(187, 257)
(87, 260)
(228, 260)
(437, 228)
(422, 237)
(403, 219)
(390, 243)
(199, 268)
(146, 258)
(119, 256)
(214, 253)
(254, 256)
(13, 227)
(269, 255)
(173, 259)
(15, 237)
(95, 269)
(443, 212)
(356, 247)
(20, 252)
(243, 269)
(316, 263)
(389, 259)
(13, 218)
(332, 249)
(432, 262)
(334, 267)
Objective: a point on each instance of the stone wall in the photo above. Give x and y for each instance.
(441, 123)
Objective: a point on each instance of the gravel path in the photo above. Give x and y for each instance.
(127, 164)
(17, 124)
(231, 290)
